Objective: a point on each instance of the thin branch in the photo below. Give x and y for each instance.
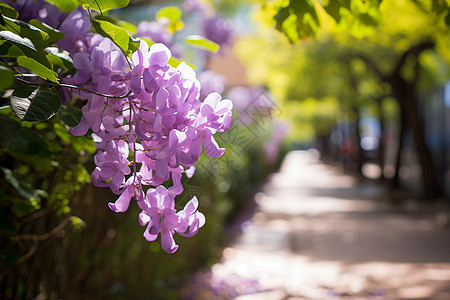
(413, 50)
(29, 253)
(373, 66)
(45, 236)
(73, 87)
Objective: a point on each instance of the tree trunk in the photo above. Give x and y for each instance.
(381, 143)
(406, 95)
(360, 151)
(401, 137)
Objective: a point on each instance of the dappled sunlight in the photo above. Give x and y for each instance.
(303, 245)
(222, 149)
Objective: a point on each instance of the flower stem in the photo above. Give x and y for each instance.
(73, 87)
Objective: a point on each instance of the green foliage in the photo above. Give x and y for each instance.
(44, 169)
(54, 35)
(297, 20)
(70, 115)
(202, 43)
(38, 69)
(104, 5)
(59, 59)
(171, 14)
(8, 11)
(65, 5)
(339, 72)
(117, 35)
(300, 20)
(7, 75)
(34, 103)
(16, 138)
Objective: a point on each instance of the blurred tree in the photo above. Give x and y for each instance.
(362, 52)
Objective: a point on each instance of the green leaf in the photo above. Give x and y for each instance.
(127, 26)
(201, 42)
(70, 115)
(133, 45)
(38, 68)
(8, 11)
(333, 8)
(19, 139)
(297, 20)
(148, 40)
(62, 60)
(281, 16)
(116, 34)
(17, 39)
(172, 13)
(64, 5)
(54, 34)
(7, 49)
(22, 188)
(35, 103)
(39, 38)
(77, 223)
(8, 80)
(104, 5)
(25, 46)
(174, 62)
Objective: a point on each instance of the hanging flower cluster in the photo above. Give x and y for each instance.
(147, 119)
(164, 124)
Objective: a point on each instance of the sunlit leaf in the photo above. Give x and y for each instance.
(38, 68)
(172, 13)
(201, 42)
(174, 62)
(8, 11)
(8, 80)
(64, 5)
(127, 26)
(17, 39)
(104, 5)
(54, 34)
(38, 37)
(116, 34)
(333, 8)
(60, 59)
(25, 46)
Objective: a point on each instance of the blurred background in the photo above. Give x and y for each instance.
(359, 89)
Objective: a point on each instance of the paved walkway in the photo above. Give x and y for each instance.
(318, 234)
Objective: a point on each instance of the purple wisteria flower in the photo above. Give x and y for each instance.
(39, 10)
(211, 82)
(156, 31)
(190, 6)
(112, 163)
(217, 29)
(272, 147)
(160, 216)
(246, 100)
(155, 134)
(75, 27)
(148, 119)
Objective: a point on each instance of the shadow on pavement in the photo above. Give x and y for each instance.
(318, 234)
